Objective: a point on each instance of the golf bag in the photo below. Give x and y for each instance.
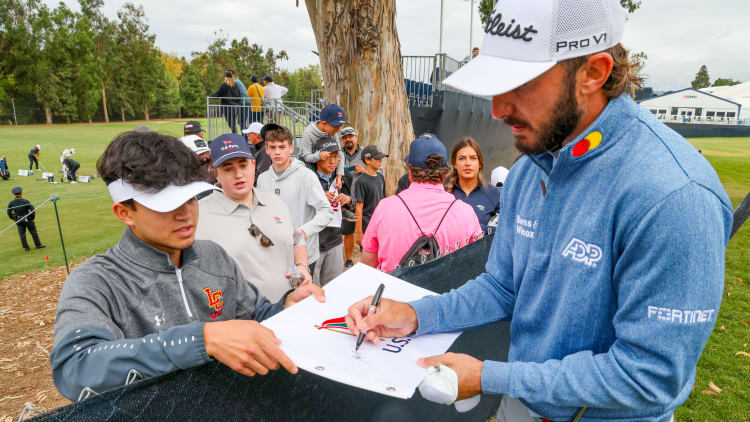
(4, 172)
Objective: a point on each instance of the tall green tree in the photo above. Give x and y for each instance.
(141, 60)
(103, 47)
(192, 92)
(702, 80)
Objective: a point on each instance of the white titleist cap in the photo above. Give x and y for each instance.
(165, 200)
(525, 38)
(195, 143)
(498, 176)
(254, 127)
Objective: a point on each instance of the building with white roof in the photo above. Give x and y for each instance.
(714, 105)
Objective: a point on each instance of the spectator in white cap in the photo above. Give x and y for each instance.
(498, 176)
(609, 254)
(159, 300)
(200, 148)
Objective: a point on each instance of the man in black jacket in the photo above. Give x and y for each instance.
(331, 261)
(22, 212)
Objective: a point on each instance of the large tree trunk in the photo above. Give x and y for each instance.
(360, 57)
(48, 115)
(122, 112)
(145, 112)
(104, 104)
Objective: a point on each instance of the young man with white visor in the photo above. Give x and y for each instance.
(609, 254)
(159, 300)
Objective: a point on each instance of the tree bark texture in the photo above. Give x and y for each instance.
(48, 114)
(122, 113)
(145, 112)
(360, 57)
(104, 104)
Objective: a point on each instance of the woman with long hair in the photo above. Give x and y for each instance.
(467, 183)
(230, 98)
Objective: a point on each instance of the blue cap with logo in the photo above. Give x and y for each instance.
(425, 145)
(333, 114)
(228, 146)
(16, 190)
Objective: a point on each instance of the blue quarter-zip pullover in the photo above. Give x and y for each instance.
(610, 266)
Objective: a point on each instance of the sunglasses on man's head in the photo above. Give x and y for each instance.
(264, 240)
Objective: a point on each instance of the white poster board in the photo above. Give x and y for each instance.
(336, 220)
(46, 175)
(83, 179)
(315, 337)
(23, 172)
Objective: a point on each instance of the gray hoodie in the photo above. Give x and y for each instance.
(299, 188)
(310, 136)
(130, 308)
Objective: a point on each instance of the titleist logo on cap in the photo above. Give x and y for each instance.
(496, 26)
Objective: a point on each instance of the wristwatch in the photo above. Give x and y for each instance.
(299, 264)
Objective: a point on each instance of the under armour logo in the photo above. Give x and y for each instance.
(159, 319)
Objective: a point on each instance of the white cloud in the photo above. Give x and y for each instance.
(677, 35)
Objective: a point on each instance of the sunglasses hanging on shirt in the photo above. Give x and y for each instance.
(264, 240)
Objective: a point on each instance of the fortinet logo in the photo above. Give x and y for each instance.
(580, 251)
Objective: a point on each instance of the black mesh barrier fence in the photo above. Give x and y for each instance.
(214, 392)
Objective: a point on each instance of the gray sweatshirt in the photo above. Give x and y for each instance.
(299, 188)
(130, 308)
(310, 136)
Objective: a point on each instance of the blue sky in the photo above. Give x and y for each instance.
(677, 35)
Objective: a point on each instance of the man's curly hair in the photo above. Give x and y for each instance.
(149, 161)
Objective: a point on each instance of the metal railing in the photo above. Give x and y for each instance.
(729, 121)
(223, 118)
(423, 75)
(318, 98)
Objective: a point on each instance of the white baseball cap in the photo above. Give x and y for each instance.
(525, 38)
(254, 127)
(168, 199)
(195, 143)
(498, 176)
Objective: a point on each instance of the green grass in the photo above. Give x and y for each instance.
(89, 227)
(85, 208)
(719, 363)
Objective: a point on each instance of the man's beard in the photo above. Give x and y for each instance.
(566, 116)
(349, 145)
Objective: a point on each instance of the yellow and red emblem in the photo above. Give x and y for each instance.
(589, 142)
(214, 299)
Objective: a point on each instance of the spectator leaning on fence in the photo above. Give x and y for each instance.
(298, 187)
(331, 118)
(256, 93)
(273, 93)
(400, 220)
(331, 261)
(244, 114)
(610, 249)
(159, 300)
(254, 227)
(466, 181)
(229, 94)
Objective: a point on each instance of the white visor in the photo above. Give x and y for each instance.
(165, 200)
(487, 76)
